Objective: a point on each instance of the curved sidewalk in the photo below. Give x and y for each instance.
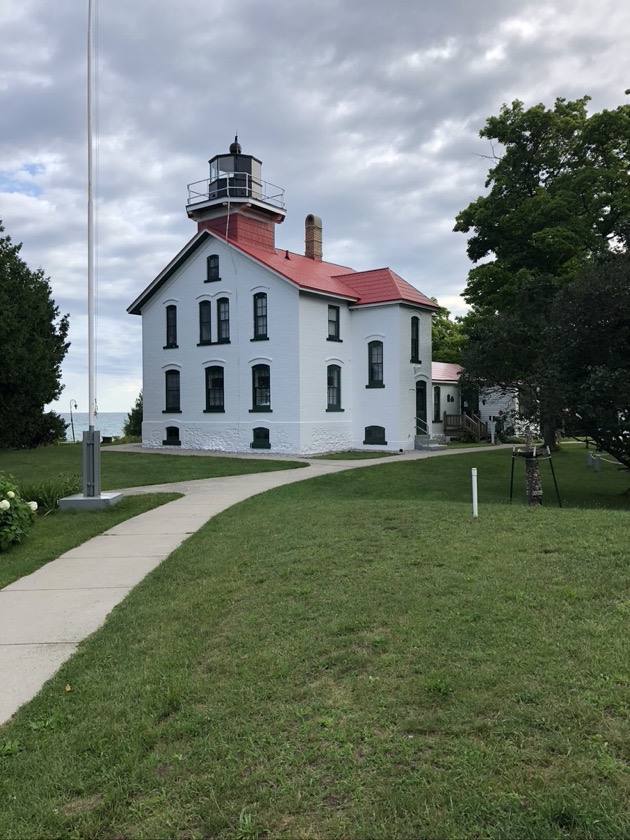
(45, 615)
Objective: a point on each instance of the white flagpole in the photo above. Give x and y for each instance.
(91, 439)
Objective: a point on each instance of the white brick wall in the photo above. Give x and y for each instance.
(297, 353)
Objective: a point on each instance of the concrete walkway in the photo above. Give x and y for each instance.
(45, 615)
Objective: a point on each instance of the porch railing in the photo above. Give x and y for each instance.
(457, 423)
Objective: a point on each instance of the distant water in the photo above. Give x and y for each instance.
(108, 423)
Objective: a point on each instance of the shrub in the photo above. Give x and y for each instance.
(16, 515)
(48, 492)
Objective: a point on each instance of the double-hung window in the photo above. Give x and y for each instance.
(375, 365)
(333, 324)
(333, 374)
(171, 383)
(205, 317)
(212, 268)
(223, 321)
(215, 391)
(260, 316)
(261, 388)
(171, 326)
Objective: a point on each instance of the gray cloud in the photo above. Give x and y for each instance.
(366, 113)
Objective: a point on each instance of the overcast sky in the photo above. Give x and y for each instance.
(366, 112)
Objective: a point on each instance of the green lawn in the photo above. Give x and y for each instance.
(354, 657)
(130, 469)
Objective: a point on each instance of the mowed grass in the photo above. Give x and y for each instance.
(131, 469)
(353, 657)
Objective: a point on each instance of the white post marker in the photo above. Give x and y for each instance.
(475, 508)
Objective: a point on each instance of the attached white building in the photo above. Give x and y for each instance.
(247, 346)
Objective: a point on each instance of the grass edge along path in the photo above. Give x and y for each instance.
(133, 469)
(347, 658)
(54, 534)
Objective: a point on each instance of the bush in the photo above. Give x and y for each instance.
(48, 492)
(16, 515)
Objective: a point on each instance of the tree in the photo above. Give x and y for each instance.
(447, 337)
(589, 339)
(32, 347)
(132, 427)
(558, 200)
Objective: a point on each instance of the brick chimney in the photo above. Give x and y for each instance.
(313, 237)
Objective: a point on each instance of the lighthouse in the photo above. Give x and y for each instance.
(235, 201)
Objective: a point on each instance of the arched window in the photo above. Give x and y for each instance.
(212, 268)
(415, 339)
(260, 316)
(261, 388)
(215, 399)
(260, 439)
(171, 326)
(205, 316)
(375, 435)
(171, 382)
(172, 437)
(223, 321)
(333, 374)
(375, 365)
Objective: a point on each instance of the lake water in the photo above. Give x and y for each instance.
(108, 423)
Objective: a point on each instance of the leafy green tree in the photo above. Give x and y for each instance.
(447, 337)
(132, 427)
(589, 340)
(558, 199)
(32, 347)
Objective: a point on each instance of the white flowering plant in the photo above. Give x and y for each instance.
(16, 514)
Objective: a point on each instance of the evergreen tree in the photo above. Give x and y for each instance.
(132, 426)
(32, 347)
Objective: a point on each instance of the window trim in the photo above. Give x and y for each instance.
(380, 441)
(172, 441)
(210, 371)
(169, 391)
(373, 381)
(205, 306)
(334, 334)
(212, 269)
(437, 403)
(171, 327)
(258, 370)
(263, 442)
(260, 334)
(415, 340)
(333, 370)
(223, 324)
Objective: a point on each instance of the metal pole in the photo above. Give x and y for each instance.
(72, 402)
(91, 439)
(512, 475)
(475, 507)
(555, 483)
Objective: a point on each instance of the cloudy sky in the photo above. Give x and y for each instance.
(366, 112)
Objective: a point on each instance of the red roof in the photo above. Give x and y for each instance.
(445, 372)
(381, 285)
